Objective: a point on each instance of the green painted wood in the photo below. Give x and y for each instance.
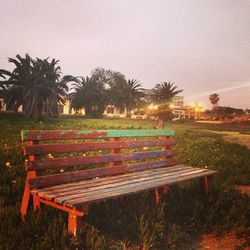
(36, 135)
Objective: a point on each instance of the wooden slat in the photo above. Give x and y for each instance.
(56, 179)
(116, 152)
(84, 160)
(28, 135)
(97, 184)
(140, 180)
(132, 188)
(83, 183)
(78, 147)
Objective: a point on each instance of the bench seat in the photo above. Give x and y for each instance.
(98, 189)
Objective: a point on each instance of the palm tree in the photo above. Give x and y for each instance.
(3, 74)
(162, 95)
(57, 87)
(165, 92)
(90, 94)
(18, 83)
(33, 83)
(214, 99)
(134, 93)
(123, 94)
(26, 86)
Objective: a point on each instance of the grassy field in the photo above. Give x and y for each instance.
(177, 223)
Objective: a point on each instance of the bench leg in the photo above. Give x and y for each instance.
(204, 184)
(74, 224)
(26, 194)
(36, 203)
(25, 201)
(158, 192)
(123, 201)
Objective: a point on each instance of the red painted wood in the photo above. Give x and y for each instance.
(27, 191)
(84, 160)
(44, 135)
(78, 147)
(56, 179)
(74, 224)
(116, 152)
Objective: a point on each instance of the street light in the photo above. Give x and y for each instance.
(172, 106)
(198, 109)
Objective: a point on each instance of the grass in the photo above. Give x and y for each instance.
(177, 223)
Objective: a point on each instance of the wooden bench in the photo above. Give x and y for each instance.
(71, 169)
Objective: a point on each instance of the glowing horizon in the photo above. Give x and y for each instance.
(217, 91)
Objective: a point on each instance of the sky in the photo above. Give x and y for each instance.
(203, 46)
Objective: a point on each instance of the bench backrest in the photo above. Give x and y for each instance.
(73, 152)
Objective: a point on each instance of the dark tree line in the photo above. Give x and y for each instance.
(38, 84)
(32, 83)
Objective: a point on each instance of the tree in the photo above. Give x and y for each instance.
(214, 99)
(162, 96)
(107, 77)
(34, 83)
(18, 84)
(226, 112)
(135, 93)
(3, 74)
(89, 93)
(57, 86)
(122, 94)
(164, 92)
(125, 94)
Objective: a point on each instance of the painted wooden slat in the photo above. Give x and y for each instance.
(143, 186)
(87, 146)
(56, 179)
(84, 160)
(93, 191)
(105, 182)
(109, 179)
(28, 135)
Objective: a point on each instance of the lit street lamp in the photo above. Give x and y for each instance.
(197, 109)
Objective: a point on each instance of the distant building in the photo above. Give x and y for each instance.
(112, 111)
(179, 110)
(178, 101)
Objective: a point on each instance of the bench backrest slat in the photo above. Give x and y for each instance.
(34, 135)
(55, 179)
(75, 161)
(88, 146)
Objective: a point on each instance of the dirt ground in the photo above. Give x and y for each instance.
(228, 242)
(242, 139)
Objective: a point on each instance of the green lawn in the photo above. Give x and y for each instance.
(177, 223)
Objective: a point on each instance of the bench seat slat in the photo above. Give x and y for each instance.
(135, 187)
(40, 135)
(85, 160)
(139, 180)
(91, 187)
(71, 185)
(87, 146)
(66, 189)
(50, 180)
